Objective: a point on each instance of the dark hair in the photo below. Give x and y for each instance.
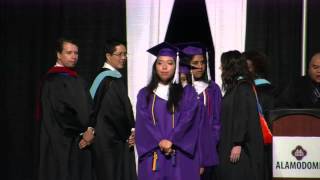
(259, 62)
(233, 68)
(175, 90)
(188, 77)
(110, 46)
(60, 42)
(187, 60)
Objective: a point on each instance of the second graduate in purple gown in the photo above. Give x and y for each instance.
(166, 134)
(209, 98)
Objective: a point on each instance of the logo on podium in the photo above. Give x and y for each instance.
(299, 153)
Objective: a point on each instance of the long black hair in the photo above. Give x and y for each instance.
(234, 67)
(175, 90)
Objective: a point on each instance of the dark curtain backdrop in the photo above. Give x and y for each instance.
(313, 28)
(275, 28)
(29, 30)
(189, 23)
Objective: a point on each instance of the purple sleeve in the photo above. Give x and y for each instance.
(184, 136)
(147, 135)
(210, 124)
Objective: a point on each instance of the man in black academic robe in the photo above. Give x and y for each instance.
(65, 112)
(113, 120)
(304, 92)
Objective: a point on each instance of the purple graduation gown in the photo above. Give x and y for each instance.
(184, 137)
(209, 124)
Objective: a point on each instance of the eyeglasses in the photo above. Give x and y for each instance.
(122, 54)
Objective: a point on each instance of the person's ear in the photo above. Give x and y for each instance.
(108, 56)
(58, 55)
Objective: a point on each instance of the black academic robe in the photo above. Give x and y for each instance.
(301, 93)
(66, 106)
(113, 120)
(240, 126)
(266, 95)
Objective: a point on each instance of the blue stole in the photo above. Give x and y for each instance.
(257, 82)
(261, 81)
(100, 77)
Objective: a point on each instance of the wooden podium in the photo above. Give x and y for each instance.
(295, 122)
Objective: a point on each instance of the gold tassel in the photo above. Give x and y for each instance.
(154, 161)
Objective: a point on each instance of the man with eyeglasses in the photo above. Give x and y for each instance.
(113, 119)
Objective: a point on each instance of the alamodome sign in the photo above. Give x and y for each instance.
(296, 157)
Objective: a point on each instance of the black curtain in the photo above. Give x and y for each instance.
(28, 36)
(275, 28)
(313, 28)
(189, 23)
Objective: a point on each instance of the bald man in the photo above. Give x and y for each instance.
(305, 91)
(314, 68)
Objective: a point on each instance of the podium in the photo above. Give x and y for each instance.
(296, 144)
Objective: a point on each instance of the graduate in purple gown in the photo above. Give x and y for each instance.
(184, 74)
(166, 133)
(209, 98)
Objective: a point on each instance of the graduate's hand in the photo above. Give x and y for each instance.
(168, 152)
(235, 154)
(201, 170)
(165, 146)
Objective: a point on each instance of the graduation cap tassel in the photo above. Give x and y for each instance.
(204, 98)
(176, 74)
(192, 77)
(155, 162)
(208, 68)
